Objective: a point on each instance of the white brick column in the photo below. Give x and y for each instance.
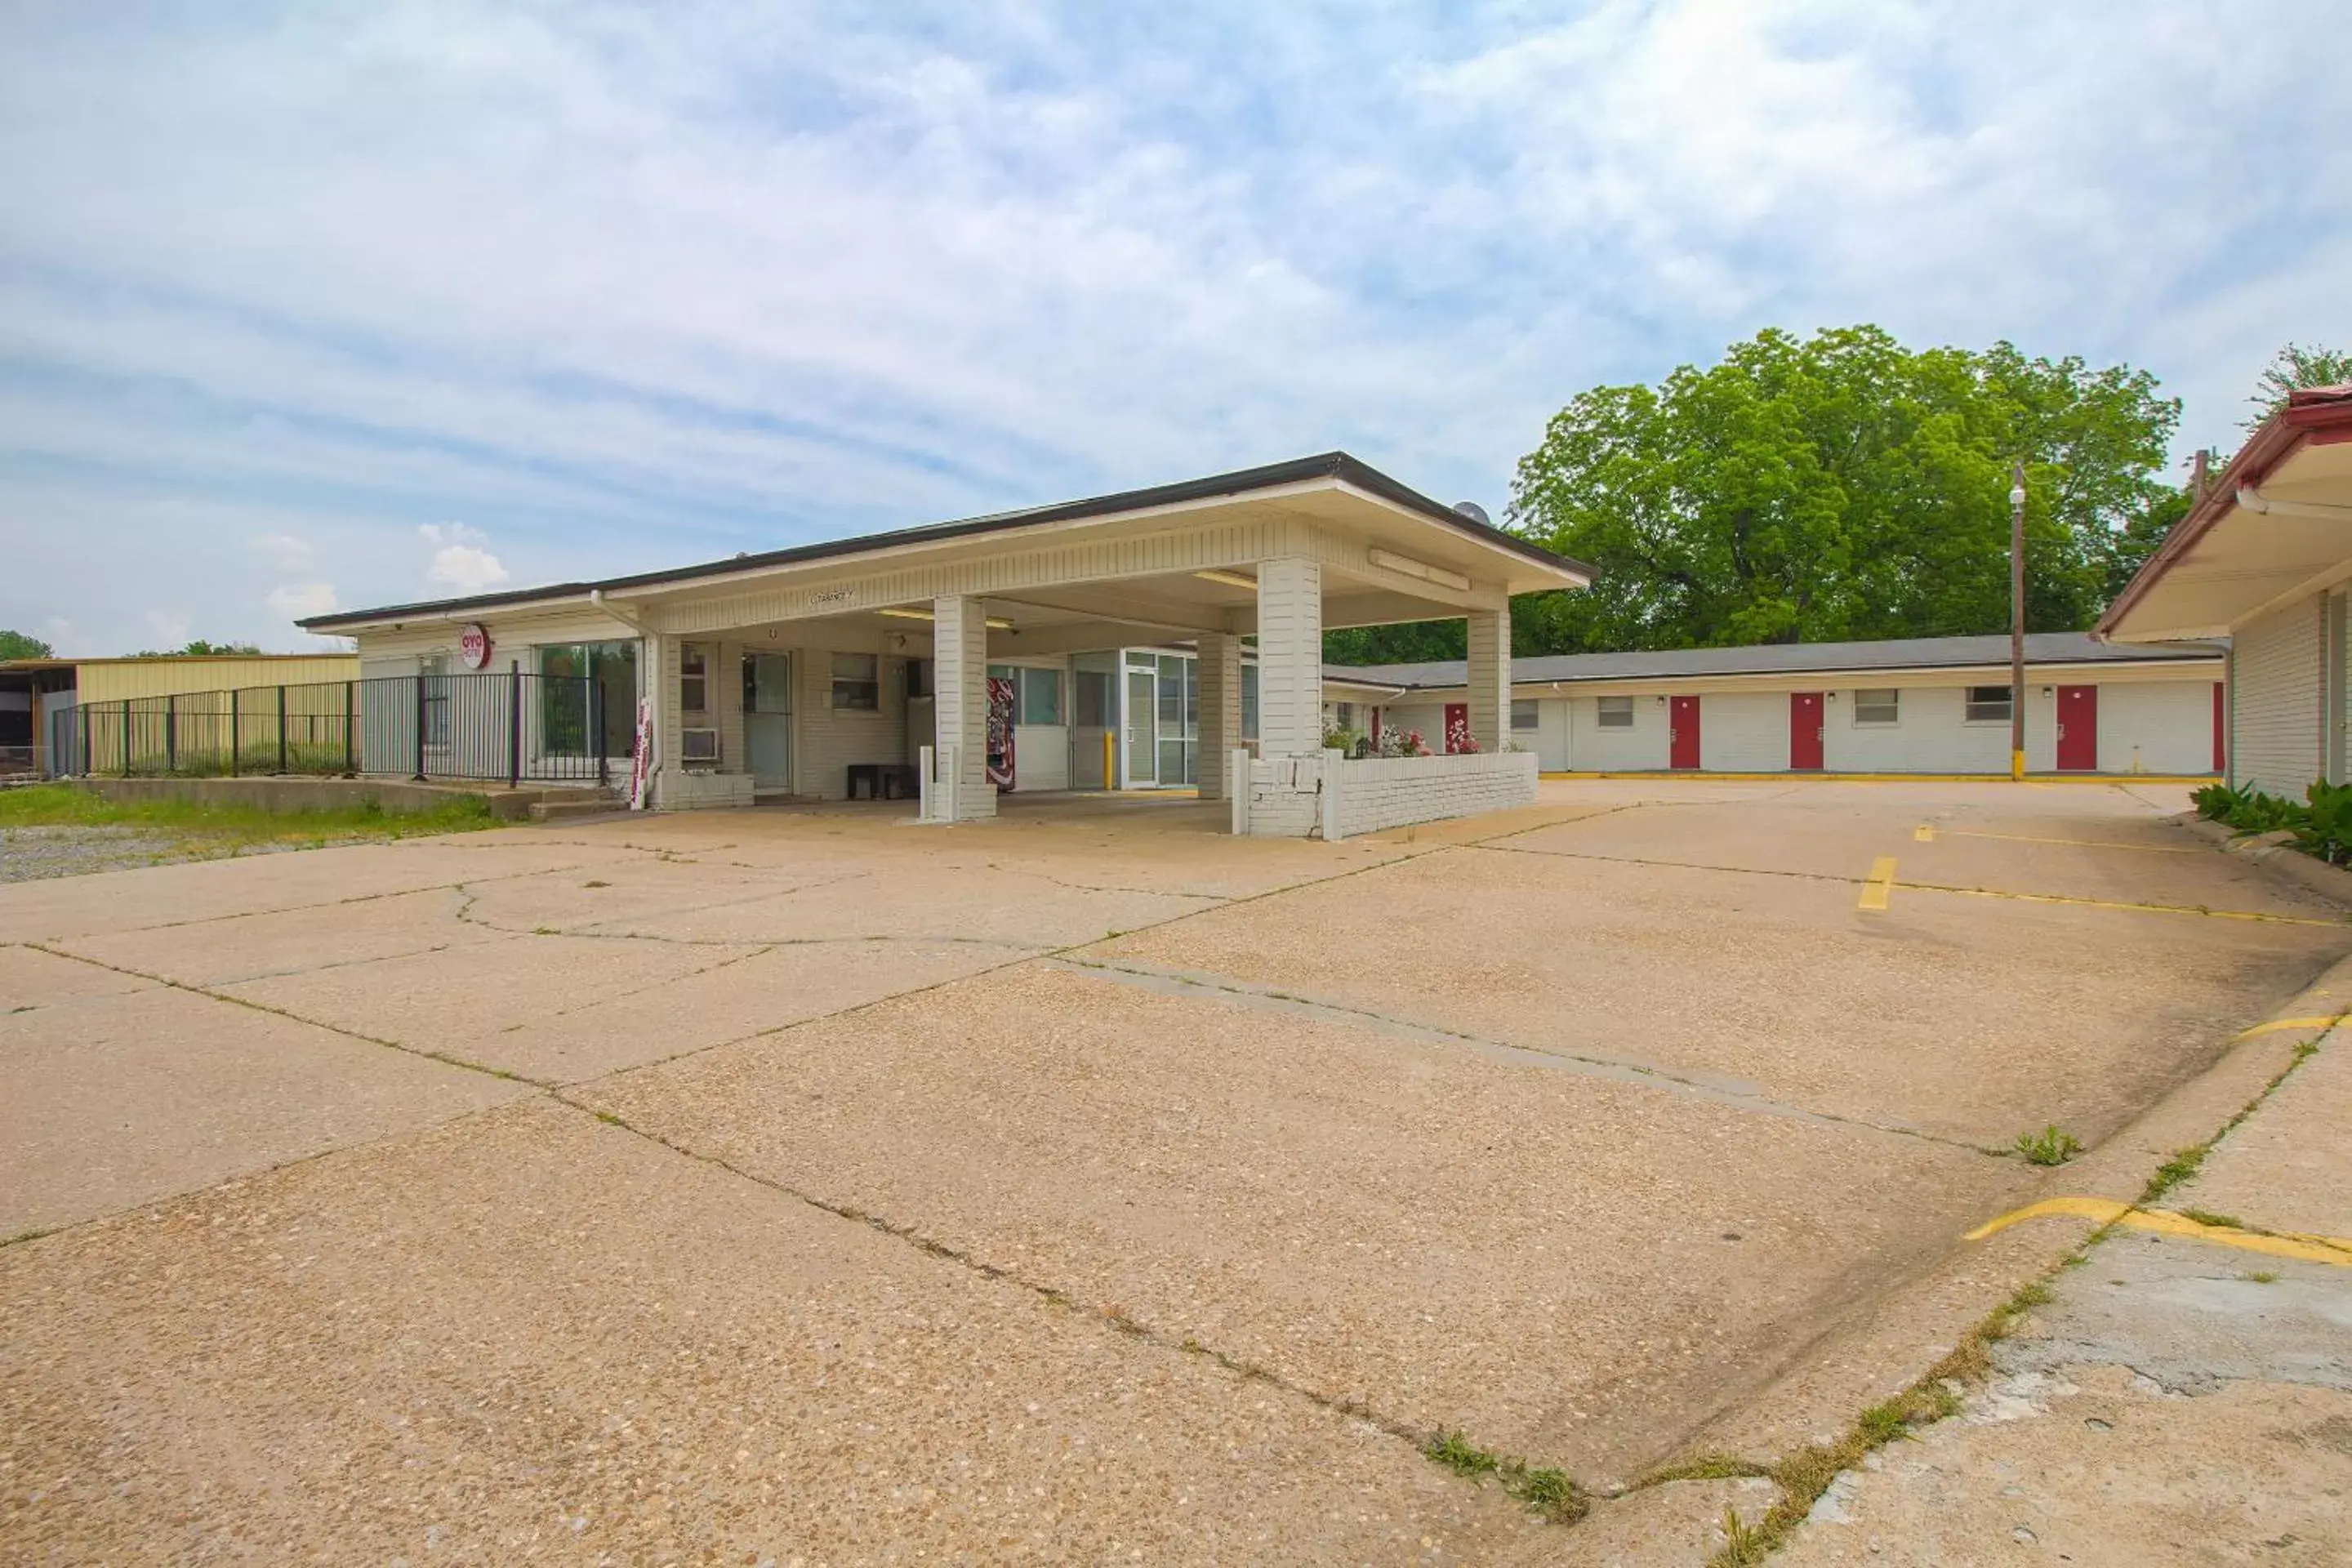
(1289, 657)
(1490, 678)
(959, 701)
(658, 680)
(1221, 709)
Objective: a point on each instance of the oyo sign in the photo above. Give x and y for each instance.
(474, 646)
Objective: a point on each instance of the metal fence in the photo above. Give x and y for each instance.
(512, 726)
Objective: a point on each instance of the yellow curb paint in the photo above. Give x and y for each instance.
(2330, 1250)
(1925, 833)
(2276, 1025)
(1881, 885)
(2117, 904)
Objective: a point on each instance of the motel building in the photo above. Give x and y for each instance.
(2264, 558)
(1916, 705)
(1090, 645)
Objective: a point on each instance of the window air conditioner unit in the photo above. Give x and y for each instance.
(698, 745)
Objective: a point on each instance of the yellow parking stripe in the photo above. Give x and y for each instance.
(2120, 904)
(2084, 843)
(2330, 1250)
(1881, 885)
(2276, 1025)
(1925, 833)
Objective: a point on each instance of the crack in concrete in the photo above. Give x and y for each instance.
(1735, 1093)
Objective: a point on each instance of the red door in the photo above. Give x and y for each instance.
(2220, 729)
(1681, 715)
(1458, 727)
(2078, 728)
(1805, 730)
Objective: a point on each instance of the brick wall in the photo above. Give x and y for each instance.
(1389, 792)
(1377, 793)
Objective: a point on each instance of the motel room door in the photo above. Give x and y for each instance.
(2078, 728)
(1681, 728)
(1805, 731)
(768, 720)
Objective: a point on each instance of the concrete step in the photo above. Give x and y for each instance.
(563, 808)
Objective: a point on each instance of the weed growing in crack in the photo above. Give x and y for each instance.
(2051, 1146)
(1803, 1476)
(1705, 1468)
(1742, 1543)
(1549, 1492)
(1463, 1458)
(2184, 1164)
(2264, 1277)
(2214, 1221)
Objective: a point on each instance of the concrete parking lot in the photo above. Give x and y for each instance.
(1086, 1185)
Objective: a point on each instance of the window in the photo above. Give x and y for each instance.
(1344, 715)
(858, 681)
(1988, 704)
(1249, 702)
(1523, 713)
(919, 677)
(693, 677)
(433, 670)
(1616, 712)
(1091, 693)
(1877, 705)
(1041, 696)
(569, 723)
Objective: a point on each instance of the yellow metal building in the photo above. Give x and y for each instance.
(112, 679)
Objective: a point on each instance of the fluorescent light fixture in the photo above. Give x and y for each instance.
(1421, 569)
(995, 623)
(1230, 579)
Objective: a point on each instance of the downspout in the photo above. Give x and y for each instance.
(612, 608)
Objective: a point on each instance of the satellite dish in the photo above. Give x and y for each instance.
(1473, 511)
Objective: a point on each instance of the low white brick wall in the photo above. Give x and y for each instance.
(1286, 793)
(1389, 792)
(1285, 798)
(674, 789)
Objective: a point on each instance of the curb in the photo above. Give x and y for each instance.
(1878, 1347)
(2275, 853)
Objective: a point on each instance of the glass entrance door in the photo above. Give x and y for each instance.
(1142, 768)
(768, 720)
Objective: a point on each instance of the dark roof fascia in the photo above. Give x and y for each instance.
(2167, 653)
(1337, 466)
(2308, 411)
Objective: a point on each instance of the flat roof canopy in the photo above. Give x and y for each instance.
(2277, 528)
(1171, 560)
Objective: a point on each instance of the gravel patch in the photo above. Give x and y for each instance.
(31, 854)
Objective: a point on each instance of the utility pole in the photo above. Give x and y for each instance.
(2017, 618)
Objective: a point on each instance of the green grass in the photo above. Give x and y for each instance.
(206, 827)
(2184, 1164)
(2217, 1221)
(2051, 1146)
(1547, 1491)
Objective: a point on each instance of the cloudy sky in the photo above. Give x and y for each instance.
(315, 306)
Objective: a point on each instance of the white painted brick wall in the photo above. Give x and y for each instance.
(1377, 793)
(2278, 718)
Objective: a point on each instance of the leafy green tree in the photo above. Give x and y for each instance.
(23, 645)
(198, 646)
(2293, 368)
(1843, 486)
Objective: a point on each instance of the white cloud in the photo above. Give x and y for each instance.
(297, 601)
(287, 552)
(459, 560)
